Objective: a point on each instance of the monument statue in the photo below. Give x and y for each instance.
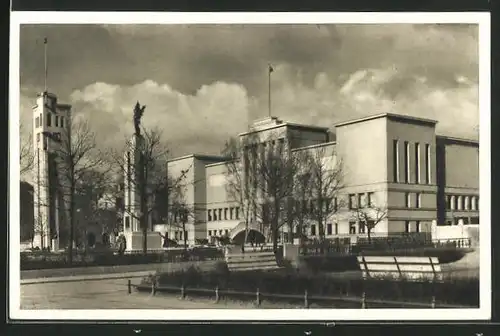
(138, 112)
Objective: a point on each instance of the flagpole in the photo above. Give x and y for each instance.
(269, 70)
(45, 63)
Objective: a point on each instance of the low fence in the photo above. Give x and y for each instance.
(306, 299)
(407, 268)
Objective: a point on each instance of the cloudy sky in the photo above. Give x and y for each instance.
(202, 84)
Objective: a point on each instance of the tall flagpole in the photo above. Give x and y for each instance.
(269, 70)
(45, 63)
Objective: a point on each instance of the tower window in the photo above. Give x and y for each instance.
(62, 121)
(49, 119)
(57, 121)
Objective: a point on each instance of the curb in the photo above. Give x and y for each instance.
(94, 277)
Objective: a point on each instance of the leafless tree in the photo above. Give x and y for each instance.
(26, 157)
(326, 183)
(73, 153)
(369, 215)
(154, 183)
(237, 187)
(275, 169)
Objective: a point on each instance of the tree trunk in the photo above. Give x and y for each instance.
(71, 223)
(369, 235)
(184, 235)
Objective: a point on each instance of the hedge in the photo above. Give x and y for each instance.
(460, 292)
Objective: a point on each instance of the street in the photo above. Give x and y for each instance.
(105, 294)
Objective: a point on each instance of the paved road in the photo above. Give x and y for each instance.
(104, 294)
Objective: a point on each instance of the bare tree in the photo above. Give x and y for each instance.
(237, 188)
(297, 215)
(369, 215)
(26, 157)
(275, 169)
(326, 183)
(153, 183)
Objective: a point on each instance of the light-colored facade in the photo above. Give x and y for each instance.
(396, 161)
(51, 124)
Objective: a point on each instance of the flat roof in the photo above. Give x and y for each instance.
(291, 125)
(459, 141)
(200, 157)
(393, 116)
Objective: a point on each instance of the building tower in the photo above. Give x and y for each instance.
(51, 131)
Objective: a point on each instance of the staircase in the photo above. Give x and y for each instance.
(248, 261)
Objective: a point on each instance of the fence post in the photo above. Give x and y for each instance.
(129, 286)
(433, 302)
(363, 301)
(183, 292)
(216, 294)
(306, 300)
(257, 298)
(153, 287)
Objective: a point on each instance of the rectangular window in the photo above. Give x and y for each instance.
(336, 228)
(328, 229)
(473, 203)
(220, 232)
(362, 227)
(226, 232)
(180, 235)
(407, 226)
(237, 214)
(477, 203)
(352, 227)
(215, 214)
(176, 235)
(56, 121)
(186, 236)
(395, 157)
(407, 162)
(49, 119)
(209, 233)
(220, 214)
(313, 230)
(448, 202)
(452, 202)
(466, 203)
(459, 202)
(37, 121)
(408, 200)
(369, 199)
(352, 201)
(428, 178)
(62, 121)
(418, 200)
(417, 226)
(225, 213)
(127, 222)
(417, 163)
(231, 213)
(209, 215)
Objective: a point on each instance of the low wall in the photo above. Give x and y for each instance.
(450, 232)
(94, 270)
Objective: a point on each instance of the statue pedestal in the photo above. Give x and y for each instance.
(134, 241)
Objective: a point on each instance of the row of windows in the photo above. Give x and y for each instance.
(466, 220)
(407, 163)
(360, 200)
(462, 202)
(408, 200)
(58, 120)
(178, 235)
(223, 214)
(410, 228)
(213, 233)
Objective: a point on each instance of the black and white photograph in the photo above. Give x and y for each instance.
(250, 166)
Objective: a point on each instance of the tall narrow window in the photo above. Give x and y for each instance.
(220, 214)
(313, 230)
(362, 226)
(466, 203)
(49, 119)
(329, 229)
(407, 226)
(209, 215)
(231, 213)
(37, 121)
(225, 213)
(336, 228)
(417, 226)
(428, 179)
(369, 199)
(62, 121)
(215, 214)
(473, 202)
(408, 200)
(352, 201)
(459, 202)
(395, 157)
(418, 200)
(352, 227)
(417, 163)
(407, 162)
(237, 214)
(452, 202)
(57, 121)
